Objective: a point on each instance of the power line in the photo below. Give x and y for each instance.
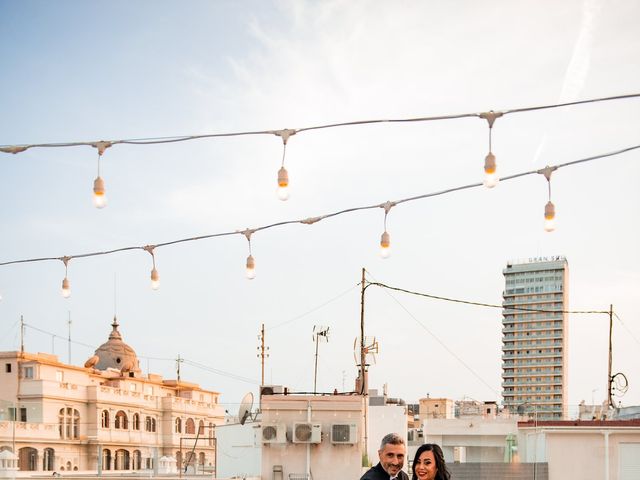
(626, 328)
(489, 305)
(312, 220)
(437, 339)
(102, 144)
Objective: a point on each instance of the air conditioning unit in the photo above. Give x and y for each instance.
(307, 432)
(274, 433)
(271, 390)
(344, 433)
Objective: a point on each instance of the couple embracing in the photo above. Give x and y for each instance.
(428, 463)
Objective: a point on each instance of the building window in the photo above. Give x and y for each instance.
(200, 428)
(133, 387)
(7, 367)
(121, 421)
(27, 372)
(106, 459)
(69, 423)
(22, 414)
(150, 424)
(48, 458)
(122, 460)
(148, 390)
(137, 460)
(190, 426)
(136, 421)
(105, 419)
(59, 376)
(178, 425)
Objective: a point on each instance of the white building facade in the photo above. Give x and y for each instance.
(103, 416)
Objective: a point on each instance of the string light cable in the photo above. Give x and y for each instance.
(250, 264)
(286, 133)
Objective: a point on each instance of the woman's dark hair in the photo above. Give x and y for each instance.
(443, 472)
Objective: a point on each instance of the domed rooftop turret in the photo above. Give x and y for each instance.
(117, 354)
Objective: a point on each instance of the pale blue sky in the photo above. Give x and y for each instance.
(86, 71)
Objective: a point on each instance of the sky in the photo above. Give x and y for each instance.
(87, 71)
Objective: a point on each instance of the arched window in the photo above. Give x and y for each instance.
(48, 457)
(178, 425)
(122, 460)
(201, 459)
(69, 423)
(200, 428)
(105, 419)
(28, 459)
(190, 426)
(121, 422)
(150, 424)
(136, 421)
(137, 460)
(106, 459)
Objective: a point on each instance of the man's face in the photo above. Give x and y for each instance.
(392, 458)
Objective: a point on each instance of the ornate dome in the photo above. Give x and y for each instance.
(116, 354)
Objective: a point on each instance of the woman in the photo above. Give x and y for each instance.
(428, 464)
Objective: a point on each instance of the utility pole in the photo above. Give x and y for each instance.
(609, 378)
(363, 369)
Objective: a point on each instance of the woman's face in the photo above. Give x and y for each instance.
(426, 466)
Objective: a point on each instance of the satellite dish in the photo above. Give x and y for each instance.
(244, 411)
(520, 409)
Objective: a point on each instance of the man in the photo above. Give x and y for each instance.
(391, 454)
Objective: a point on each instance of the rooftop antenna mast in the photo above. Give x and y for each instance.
(318, 333)
(262, 353)
(178, 362)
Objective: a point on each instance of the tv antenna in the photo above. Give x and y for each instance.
(366, 350)
(244, 412)
(319, 333)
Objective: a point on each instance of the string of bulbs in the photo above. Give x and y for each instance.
(385, 241)
(490, 165)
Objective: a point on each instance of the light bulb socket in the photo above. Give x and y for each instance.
(283, 177)
(385, 240)
(549, 211)
(490, 164)
(98, 186)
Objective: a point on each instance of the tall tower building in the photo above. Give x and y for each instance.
(534, 337)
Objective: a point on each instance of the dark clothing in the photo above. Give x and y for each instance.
(378, 473)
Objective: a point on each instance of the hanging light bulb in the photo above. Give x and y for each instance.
(283, 175)
(549, 208)
(99, 198)
(283, 184)
(491, 179)
(66, 287)
(549, 217)
(155, 276)
(155, 279)
(385, 245)
(251, 268)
